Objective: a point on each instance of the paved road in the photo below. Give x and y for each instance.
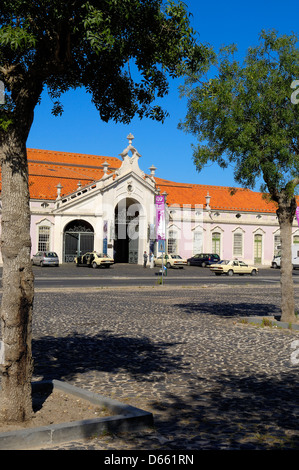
(68, 275)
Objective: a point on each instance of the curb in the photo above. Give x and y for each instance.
(126, 418)
(280, 324)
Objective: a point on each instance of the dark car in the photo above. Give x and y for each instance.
(203, 259)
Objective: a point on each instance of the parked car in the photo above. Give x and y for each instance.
(203, 259)
(231, 267)
(94, 260)
(170, 261)
(295, 258)
(45, 258)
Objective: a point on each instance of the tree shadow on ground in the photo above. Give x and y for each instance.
(241, 309)
(253, 412)
(64, 357)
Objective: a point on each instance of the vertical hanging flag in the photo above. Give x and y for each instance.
(160, 218)
(297, 214)
(105, 234)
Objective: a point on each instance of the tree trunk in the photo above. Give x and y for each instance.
(285, 215)
(18, 284)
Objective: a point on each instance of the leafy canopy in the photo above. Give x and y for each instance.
(244, 116)
(64, 44)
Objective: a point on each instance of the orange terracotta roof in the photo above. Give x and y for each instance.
(71, 159)
(49, 168)
(243, 200)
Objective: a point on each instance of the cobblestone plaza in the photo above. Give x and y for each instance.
(211, 380)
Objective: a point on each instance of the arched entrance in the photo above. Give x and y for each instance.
(126, 241)
(78, 239)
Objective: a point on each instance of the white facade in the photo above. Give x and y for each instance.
(116, 214)
(95, 208)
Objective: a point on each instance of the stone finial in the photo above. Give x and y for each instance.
(130, 138)
(208, 198)
(152, 170)
(59, 188)
(105, 167)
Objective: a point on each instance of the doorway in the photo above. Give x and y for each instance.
(78, 239)
(258, 248)
(126, 240)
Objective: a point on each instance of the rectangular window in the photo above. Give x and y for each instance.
(296, 239)
(238, 244)
(197, 242)
(172, 242)
(277, 243)
(216, 238)
(44, 238)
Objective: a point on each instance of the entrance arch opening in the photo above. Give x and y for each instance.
(78, 239)
(126, 241)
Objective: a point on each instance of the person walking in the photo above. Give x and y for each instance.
(152, 260)
(144, 259)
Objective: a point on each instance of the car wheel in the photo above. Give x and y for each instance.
(203, 265)
(253, 272)
(274, 265)
(189, 264)
(41, 264)
(230, 272)
(168, 265)
(94, 265)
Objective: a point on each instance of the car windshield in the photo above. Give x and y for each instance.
(51, 254)
(102, 255)
(176, 256)
(224, 261)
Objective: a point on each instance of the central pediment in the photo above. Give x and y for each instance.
(125, 180)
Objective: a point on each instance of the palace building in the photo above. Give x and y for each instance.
(83, 203)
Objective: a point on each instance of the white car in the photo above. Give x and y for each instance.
(170, 261)
(231, 267)
(94, 260)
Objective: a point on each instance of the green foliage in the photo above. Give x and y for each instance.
(243, 115)
(122, 51)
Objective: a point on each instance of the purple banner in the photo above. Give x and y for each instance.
(297, 214)
(160, 218)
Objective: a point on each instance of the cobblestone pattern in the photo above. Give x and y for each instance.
(211, 381)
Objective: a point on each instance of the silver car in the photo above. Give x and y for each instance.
(45, 258)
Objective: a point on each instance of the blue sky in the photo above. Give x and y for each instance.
(80, 129)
